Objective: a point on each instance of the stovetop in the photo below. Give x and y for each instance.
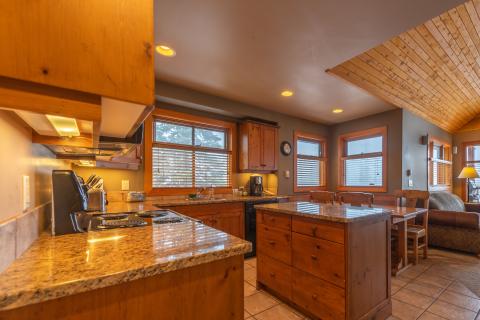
(84, 221)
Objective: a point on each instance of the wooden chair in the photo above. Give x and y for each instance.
(355, 198)
(417, 229)
(322, 196)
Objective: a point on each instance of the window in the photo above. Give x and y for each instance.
(362, 161)
(185, 152)
(471, 158)
(310, 162)
(439, 165)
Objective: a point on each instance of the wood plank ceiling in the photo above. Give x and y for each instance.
(432, 70)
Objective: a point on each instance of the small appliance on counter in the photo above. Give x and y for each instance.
(135, 196)
(256, 185)
(69, 196)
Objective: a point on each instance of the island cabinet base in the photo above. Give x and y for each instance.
(208, 291)
(328, 270)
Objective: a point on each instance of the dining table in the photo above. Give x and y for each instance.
(400, 217)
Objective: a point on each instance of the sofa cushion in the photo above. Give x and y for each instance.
(446, 201)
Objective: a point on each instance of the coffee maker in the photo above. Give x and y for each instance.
(69, 196)
(256, 185)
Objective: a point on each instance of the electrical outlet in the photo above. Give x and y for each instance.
(26, 192)
(287, 174)
(410, 182)
(125, 185)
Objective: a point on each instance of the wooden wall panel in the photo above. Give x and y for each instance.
(432, 70)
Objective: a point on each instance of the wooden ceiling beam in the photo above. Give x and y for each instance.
(37, 98)
(84, 140)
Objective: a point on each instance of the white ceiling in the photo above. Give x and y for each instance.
(249, 50)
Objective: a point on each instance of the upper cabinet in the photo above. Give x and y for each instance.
(99, 47)
(258, 147)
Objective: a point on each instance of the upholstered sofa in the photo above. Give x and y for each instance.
(453, 224)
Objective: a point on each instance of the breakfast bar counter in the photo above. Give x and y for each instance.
(84, 266)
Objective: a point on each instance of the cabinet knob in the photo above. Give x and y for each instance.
(271, 243)
(314, 257)
(272, 274)
(314, 296)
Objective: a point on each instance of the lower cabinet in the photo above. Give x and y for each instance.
(328, 270)
(228, 217)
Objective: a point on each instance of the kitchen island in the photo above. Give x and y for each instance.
(184, 270)
(330, 261)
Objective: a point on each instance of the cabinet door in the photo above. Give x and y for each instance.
(269, 148)
(100, 47)
(255, 146)
(231, 223)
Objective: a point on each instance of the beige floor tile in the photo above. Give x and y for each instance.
(278, 312)
(449, 311)
(414, 298)
(434, 280)
(259, 302)
(459, 287)
(399, 281)
(250, 275)
(430, 316)
(248, 289)
(405, 311)
(425, 289)
(246, 315)
(395, 288)
(460, 300)
(414, 271)
(251, 262)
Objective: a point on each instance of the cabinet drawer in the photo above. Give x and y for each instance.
(321, 258)
(322, 230)
(276, 220)
(275, 275)
(322, 299)
(275, 243)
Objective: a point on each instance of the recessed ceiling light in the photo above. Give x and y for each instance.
(165, 51)
(287, 93)
(337, 110)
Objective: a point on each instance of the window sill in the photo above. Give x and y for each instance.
(308, 189)
(362, 189)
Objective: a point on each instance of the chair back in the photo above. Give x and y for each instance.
(322, 196)
(414, 199)
(355, 198)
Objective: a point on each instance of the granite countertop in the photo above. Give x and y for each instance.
(64, 265)
(328, 212)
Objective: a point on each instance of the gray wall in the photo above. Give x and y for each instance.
(414, 153)
(172, 95)
(393, 121)
(458, 139)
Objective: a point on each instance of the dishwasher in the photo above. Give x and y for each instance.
(251, 223)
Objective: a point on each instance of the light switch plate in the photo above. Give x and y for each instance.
(26, 192)
(410, 182)
(287, 174)
(125, 185)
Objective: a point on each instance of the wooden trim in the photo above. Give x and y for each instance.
(43, 99)
(84, 140)
(341, 156)
(445, 144)
(463, 160)
(324, 162)
(178, 117)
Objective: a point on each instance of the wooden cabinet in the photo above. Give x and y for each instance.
(336, 270)
(100, 47)
(258, 147)
(227, 217)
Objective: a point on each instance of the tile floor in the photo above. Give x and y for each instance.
(445, 286)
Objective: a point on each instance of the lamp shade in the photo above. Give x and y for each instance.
(468, 173)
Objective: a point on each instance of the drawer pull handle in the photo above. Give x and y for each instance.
(314, 296)
(314, 231)
(314, 257)
(272, 274)
(271, 243)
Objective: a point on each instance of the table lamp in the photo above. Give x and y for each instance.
(468, 173)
